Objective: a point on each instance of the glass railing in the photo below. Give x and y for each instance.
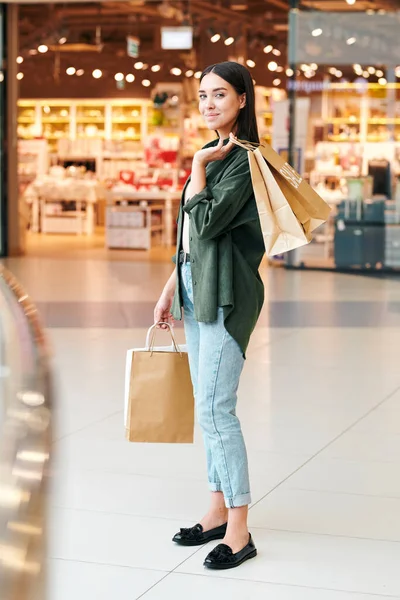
(25, 439)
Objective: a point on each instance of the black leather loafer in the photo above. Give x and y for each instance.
(195, 536)
(222, 556)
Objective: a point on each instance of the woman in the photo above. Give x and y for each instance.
(216, 282)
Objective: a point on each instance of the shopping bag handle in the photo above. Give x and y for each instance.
(250, 146)
(151, 337)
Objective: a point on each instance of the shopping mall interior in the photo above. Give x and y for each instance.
(99, 125)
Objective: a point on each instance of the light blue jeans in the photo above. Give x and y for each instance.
(216, 363)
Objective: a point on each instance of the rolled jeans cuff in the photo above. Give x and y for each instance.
(215, 487)
(237, 501)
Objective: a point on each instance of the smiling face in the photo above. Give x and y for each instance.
(219, 104)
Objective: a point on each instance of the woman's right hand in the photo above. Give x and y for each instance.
(162, 311)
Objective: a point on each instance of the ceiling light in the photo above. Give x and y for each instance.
(80, 72)
(250, 63)
(176, 71)
(370, 11)
(276, 52)
(357, 67)
(20, 60)
(20, 76)
(305, 67)
(145, 66)
(189, 73)
(276, 82)
(351, 2)
(332, 70)
(139, 65)
(119, 77)
(130, 78)
(97, 73)
(397, 72)
(268, 49)
(43, 48)
(156, 68)
(279, 70)
(46, 109)
(379, 73)
(382, 81)
(365, 74)
(272, 66)
(317, 32)
(71, 71)
(197, 74)
(62, 40)
(146, 82)
(351, 41)
(289, 72)
(215, 38)
(339, 73)
(229, 41)
(314, 66)
(33, 51)
(371, 70)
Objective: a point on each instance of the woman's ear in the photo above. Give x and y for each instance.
(242, 101)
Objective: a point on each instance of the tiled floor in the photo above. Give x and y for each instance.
(320, 407)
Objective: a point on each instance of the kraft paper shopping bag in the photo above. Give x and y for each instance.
(159, 403)
(289, 208)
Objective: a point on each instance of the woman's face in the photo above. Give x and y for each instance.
(219, 103)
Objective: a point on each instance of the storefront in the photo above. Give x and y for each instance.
(107, 116)
(346, 70)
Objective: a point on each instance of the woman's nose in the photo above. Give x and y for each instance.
(210, 102)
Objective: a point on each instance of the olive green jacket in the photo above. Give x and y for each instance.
(226, 248)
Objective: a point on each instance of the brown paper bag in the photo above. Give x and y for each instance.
(159, 403)
(289, 208)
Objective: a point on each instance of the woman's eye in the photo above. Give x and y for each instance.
(220, 96)
(202, 97)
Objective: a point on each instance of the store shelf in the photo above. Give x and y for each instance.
(334, 138)
(343, 121)
(384, 121)
(126, 121)
(90, 120)
(55, 121)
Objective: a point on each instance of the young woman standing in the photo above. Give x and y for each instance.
(217, 283)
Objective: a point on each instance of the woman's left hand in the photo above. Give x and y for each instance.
(218, 152)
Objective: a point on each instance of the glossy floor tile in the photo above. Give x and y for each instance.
(319, 402)
(198, 587)
(314, 561)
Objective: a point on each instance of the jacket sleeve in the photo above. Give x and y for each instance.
(212, 211)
